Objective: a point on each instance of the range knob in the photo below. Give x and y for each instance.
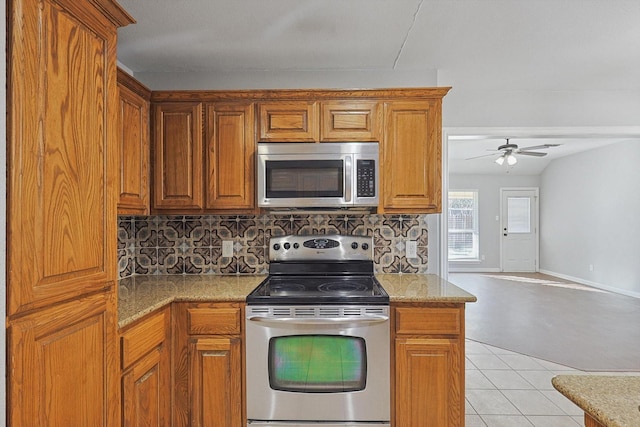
(354, 245)
(296, 245)
(365, 246)
(287, 245)
(276, 246)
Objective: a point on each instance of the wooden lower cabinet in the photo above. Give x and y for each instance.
(63, 365)
(589, 421)
(208, 365)
(146, 377)
(428, 349)
(216, 381)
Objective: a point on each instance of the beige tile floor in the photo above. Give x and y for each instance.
(508, 389)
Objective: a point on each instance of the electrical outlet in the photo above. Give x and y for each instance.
(412, 249)
(227, 248)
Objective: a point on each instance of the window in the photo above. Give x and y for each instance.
(463, 225)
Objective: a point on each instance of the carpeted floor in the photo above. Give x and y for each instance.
(552, 319)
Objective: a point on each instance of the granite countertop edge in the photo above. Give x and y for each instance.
(598, 396)
(141, 295)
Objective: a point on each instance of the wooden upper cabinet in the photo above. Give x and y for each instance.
(230, 149)
(134, 146)
(177, 156)
(412, 157)
(288, 121)
(63, 156)
(350, 120)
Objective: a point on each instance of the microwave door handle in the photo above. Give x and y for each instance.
(348, 166)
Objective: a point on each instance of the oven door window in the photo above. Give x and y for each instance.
(317, 363)
(304, 179)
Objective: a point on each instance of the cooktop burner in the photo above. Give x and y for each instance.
(344, 286)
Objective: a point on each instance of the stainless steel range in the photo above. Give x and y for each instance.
(317, 347)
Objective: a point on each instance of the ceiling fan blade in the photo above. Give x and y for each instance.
(477, 157)
(531, 153)
(539, 147)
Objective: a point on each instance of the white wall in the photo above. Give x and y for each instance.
(488, 187)
(3, 214)
(590, 215)
(288, 79)
(500, 108)
(462, 107)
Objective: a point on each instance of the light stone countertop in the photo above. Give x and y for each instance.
(613, 401)
(141, 295)
(422, 288)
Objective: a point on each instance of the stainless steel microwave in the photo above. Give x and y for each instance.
(324, 175)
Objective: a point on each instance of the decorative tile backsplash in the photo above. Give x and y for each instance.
(193, 244)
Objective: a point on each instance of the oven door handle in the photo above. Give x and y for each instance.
(368, 320)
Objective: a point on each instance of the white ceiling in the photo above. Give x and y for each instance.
(517, 44)
(514, 46)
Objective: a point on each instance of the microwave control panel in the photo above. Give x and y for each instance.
(366, 178)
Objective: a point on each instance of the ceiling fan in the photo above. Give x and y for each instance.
(508, 152)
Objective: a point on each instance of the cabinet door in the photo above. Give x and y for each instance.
(288, 121)
(64, 365)
(350, 121)
(145, 388)
(429, 387)
(134, 151)
(412, 157)
(230, 156)
(216, 373)
(177, 156)
(62, 152)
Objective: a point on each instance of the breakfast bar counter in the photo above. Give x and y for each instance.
(141, 295)
(608, 401)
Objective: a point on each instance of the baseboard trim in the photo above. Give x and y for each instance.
(592, 284)
(473, 270)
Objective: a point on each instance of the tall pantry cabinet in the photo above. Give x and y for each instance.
(62, 196)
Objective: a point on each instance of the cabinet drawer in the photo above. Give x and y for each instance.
(142, 338)
(426, 321)
(295, 121)
(213, 321)
(350, 121)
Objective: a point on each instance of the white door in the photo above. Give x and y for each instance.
(519, 229)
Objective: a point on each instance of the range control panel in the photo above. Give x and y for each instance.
(333, 247)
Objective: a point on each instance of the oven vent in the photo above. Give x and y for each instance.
(329, 311)
(281, 312)
(377, 310)
(304, 312)
(353, 311)
(259, 310)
